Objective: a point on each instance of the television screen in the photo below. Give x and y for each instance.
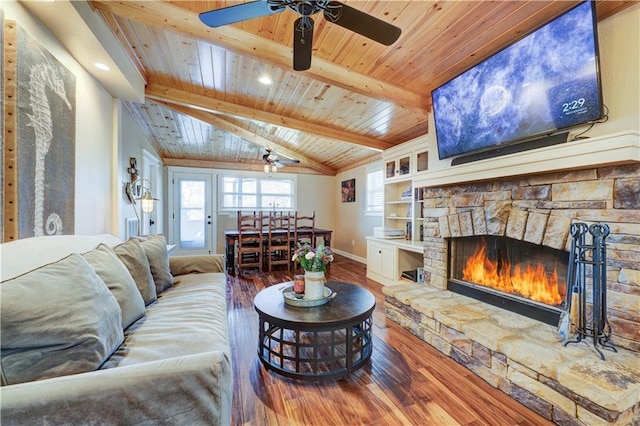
(545, 82)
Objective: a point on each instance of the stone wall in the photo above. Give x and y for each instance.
(540, 209)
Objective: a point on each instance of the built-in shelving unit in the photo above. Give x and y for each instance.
(388, 258)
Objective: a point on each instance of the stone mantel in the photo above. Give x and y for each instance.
(617, 148)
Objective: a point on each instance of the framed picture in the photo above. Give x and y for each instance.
(39, 162)
(349, 191)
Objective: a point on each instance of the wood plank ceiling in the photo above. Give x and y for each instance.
(205, 107)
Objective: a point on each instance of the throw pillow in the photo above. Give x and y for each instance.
(57, 320)
(155, 248)
(116, 276)
(132, 255)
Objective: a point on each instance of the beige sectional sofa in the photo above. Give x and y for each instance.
(100, 331)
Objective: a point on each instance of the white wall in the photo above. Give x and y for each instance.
(352, 225)
(317, 193)
(619, 40)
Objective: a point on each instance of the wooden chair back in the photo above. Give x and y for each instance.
(278, 240)
(304, 229)
(250, 239)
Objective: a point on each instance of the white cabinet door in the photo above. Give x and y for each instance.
(380, 260)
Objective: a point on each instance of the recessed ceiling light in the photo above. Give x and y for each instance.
(264, 79)
(101, 66)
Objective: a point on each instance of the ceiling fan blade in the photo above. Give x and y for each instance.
(238, 13)
(302, 43)
(362, 23)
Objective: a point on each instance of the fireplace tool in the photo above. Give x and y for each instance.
(586, 324)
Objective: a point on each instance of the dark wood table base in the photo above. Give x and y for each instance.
(315, 355)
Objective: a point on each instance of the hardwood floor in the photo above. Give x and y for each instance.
(406, 382)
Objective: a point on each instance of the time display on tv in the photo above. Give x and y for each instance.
(545, 82)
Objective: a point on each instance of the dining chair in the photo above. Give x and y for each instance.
(304, 229)
(250, 247)
(278, 250)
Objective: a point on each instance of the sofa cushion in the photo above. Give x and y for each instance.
(155, 247)
(132, 255)
(190, 317)
(26, 254)
(57, 320)
(118, 279)
(196, 264)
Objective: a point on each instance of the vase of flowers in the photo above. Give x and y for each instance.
(314, 261)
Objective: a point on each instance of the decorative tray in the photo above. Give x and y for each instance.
(293, 299)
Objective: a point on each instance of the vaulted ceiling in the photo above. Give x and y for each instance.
(205, 107)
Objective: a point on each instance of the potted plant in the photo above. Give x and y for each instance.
(314, 261)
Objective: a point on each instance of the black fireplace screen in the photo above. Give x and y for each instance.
(505, 265)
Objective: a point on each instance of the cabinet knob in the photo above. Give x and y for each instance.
(379, 251)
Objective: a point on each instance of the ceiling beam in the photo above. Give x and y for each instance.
(247, 135)
(159, 92)
(207, 164)
(173, 18)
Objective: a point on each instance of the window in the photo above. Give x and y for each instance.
(245, 193)
(375, 192)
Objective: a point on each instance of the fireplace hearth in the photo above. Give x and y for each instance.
(525, 278)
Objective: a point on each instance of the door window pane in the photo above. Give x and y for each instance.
(192, 214)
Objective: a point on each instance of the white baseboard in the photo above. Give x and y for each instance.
(350, 256)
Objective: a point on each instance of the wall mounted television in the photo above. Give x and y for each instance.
(547, 81)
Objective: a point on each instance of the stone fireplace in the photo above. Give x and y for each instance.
(539, 210)
(523, 356)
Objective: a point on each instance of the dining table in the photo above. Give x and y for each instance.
(231, 238)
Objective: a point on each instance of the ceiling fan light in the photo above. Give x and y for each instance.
(274, 169)
(265, 79)
(266, 168)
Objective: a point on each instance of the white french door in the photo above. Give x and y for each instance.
(192, 226)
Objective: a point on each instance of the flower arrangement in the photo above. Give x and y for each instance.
(313, 259)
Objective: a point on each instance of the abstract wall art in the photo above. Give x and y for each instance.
(349, 191)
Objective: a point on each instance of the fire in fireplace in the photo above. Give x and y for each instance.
(526, 278)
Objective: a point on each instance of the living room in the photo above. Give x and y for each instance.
(108, 135)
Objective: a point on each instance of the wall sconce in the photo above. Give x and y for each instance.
(139, 191)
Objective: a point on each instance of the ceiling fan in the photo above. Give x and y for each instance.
(334, 11)
(271, 159)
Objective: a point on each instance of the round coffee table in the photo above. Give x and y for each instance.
(315, 343)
